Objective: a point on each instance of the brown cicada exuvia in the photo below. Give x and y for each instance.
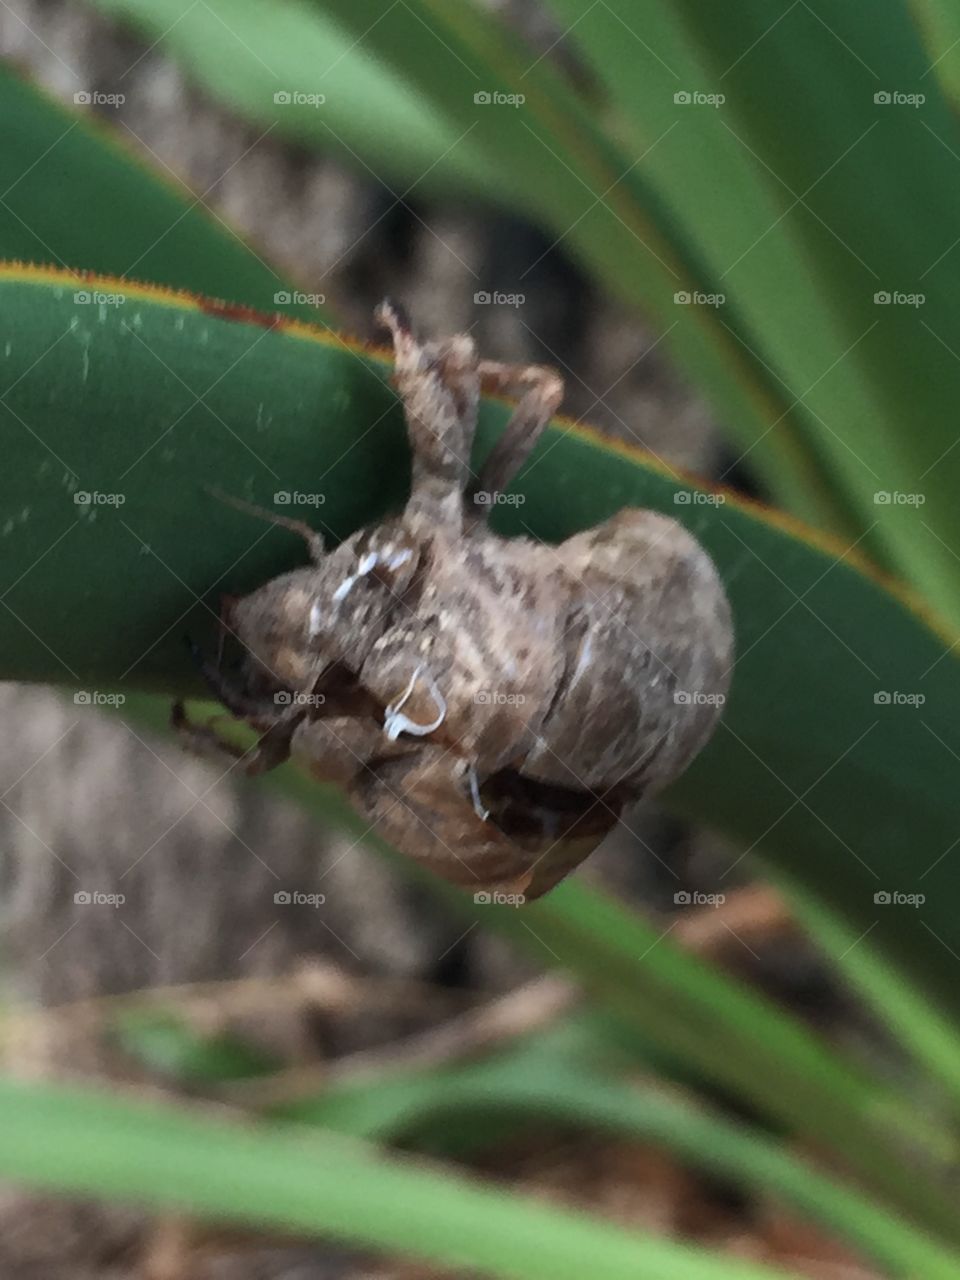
(489, 704)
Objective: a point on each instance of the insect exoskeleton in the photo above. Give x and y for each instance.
(491, 705)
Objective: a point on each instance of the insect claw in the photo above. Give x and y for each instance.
(393, 316)
(395, 722)
(482, 813)
(310, 536)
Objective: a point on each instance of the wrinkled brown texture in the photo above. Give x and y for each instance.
(489, 704)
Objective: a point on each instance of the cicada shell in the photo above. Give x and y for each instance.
(490, 705)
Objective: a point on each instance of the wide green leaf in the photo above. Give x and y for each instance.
(90, 1143)
(901, 1003)
(549, 1076)
(76, 194)
(298, 69)
(853, 139)
(530, 1087)
(421, 65)
(762, 198)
